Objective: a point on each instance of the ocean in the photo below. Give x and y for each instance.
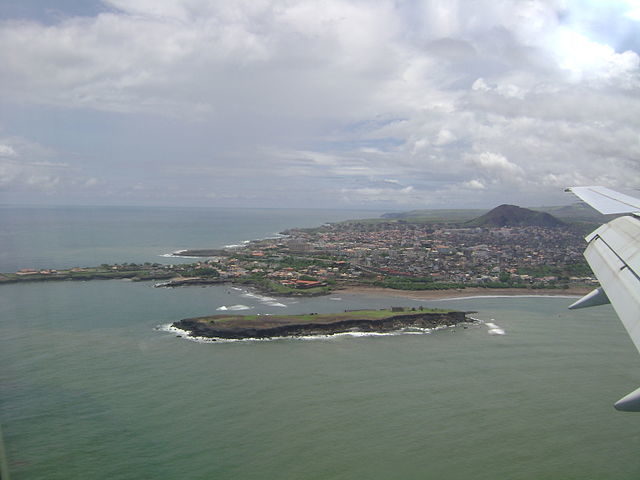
(93, 386)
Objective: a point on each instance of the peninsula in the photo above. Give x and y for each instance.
(509, 249)
(269, 326)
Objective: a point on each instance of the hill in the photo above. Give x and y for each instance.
(514, 216)
(577, 214)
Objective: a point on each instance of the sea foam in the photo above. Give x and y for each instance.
(176, 254)
(494, 329)
(269, 301)
(234, 307)
(169, 328)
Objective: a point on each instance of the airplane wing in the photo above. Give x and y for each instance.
(613, 252)
(605, 200)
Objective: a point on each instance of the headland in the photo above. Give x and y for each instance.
(509, 251)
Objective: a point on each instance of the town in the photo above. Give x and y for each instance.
(393, 253)
(414, 257)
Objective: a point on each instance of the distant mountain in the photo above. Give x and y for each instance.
(580, 212)
(577, 213)
(513, 216)
(435, 215)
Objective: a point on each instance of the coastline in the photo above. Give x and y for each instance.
(464, 293)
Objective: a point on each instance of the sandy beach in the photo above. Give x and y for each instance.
(466, 292)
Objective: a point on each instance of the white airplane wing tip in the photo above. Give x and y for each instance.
(605, 200)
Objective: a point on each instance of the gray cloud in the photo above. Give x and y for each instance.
(363, 103)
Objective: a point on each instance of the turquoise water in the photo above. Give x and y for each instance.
(91, 389)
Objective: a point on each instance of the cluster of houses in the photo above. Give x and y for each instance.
(348, 252)
(459, 255)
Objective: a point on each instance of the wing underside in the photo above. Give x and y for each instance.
(613, 252)
(616, 264)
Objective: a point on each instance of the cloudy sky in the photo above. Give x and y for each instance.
(388, 104)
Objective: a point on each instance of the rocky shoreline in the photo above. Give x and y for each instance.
(239, 327)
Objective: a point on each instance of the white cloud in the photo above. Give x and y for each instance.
(346, 93)
(480, 85)
(8, 173)
(587, 59)
(634, 14)
(50, 164)
(489, 161)
(28, 166)
(43, 176)
(45, 182)
(474, 185)
(378, 196)
(444, 137)
(7, 151)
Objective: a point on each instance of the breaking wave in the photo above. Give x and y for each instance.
(234, 307)
(269, 301)
(169, 328)
(494, 329)
(176, 255)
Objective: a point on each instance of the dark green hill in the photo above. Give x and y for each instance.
(514, 216)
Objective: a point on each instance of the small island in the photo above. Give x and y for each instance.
(270, 326)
